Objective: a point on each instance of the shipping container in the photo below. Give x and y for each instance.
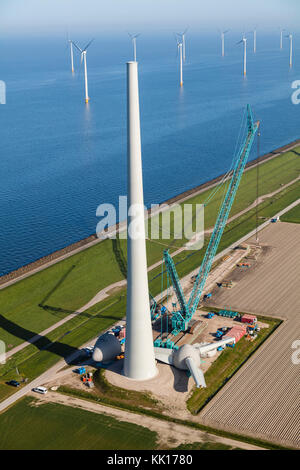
(236, 332)
(247, 318)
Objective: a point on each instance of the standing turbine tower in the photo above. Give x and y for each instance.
(244, 40)
(254, 40)
(179, 52)
(83, 58)
(71, 55)
(139, 362)
(281, 36)
(290, 36)
(223, 41)
(182, 36)
(133, 39)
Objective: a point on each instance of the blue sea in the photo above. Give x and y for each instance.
(60, 159)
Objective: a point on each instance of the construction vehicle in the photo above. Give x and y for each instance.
(182, 317)
(207, 296)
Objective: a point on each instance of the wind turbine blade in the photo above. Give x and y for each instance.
(185, 30)
(227, 31)
(240, 42)
(88, 44)
(77, 47)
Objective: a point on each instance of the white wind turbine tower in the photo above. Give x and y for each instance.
(71, 53)
(244, 40)
(83, 58)
(281, 36)
(179, 51)
(254, 40)
(223, 41)
(182, 35)
(133, 39)
(290, 36)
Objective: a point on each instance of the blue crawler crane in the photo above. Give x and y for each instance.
(182, 317)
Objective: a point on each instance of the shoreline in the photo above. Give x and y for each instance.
(69, 250)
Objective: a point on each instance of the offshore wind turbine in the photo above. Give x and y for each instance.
(179, 52)
(83, 58)
(290, 36)
(71, 53)
(254, 40)
(281, 36)
(182, 35)
(133, 39)
(244, 40)
(223, 41)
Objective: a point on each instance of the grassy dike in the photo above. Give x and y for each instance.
(293, 216)
(44, 298)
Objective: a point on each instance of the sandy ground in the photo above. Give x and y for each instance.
(171, 386)
(262, 399)
(169, 434)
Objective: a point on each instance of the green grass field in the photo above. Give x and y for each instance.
(41, 300)
(53, 426)
(292, 216)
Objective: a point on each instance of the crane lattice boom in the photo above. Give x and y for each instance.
(181, 319)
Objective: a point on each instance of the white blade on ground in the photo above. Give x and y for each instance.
(196, 373)
(164, 355)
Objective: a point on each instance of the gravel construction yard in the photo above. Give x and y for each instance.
(262, 399)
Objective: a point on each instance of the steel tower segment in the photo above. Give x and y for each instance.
(188, 309)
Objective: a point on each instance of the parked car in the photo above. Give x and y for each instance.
(40, 389)
(13, 383)
(88, 350)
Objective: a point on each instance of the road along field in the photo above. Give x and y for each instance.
(262, 399)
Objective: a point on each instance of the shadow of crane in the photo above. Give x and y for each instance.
(119, 256)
